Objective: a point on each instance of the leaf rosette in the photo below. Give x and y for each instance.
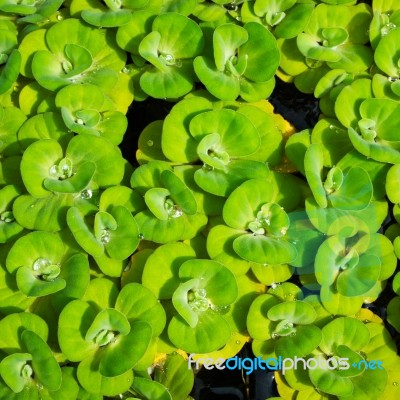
(115, 332)
(31, 368)
(282, 328)
(339, 40)
(353, 265)
(43, 265)
(47, 169)
(228, 143)
(243, 62)
(375, 134)
(347, 190)
(163, 48)
(86, 110)
(72, 52)
(285, 19)
(106, 235)
(202, 292)
(172, 212)
(255, 211)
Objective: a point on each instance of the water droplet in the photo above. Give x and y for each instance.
(105, 236)
(86, 194)
(141, 236)
(231, 6)
(220, 309)
(59, 17)
(150, 143)
(395, 384)
(40, 263)
(274, 286)
(201, 293)
(53, 171)
(387, 28)
(391, 79)
(274, 336)
(199, 304)
(331, 126)
(176, 213)
(126, 70)
(293, 334)
(237, 342)
(80, 121)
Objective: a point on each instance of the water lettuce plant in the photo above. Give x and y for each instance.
(224, 227)
(243, 62)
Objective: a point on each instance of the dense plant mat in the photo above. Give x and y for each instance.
(221, 225)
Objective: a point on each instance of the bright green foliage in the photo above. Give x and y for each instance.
(10, 57)
(259, 219)
(336, 34)
(172, 212)
(228, 227)
(243, 63)
(286, 19)
(43, 265)
(282, 328)
(115, 332)
(86, 110)
(75, 53)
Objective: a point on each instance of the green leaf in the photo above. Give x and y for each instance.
(329, 381)
(82, 233)
(11, 370)
(175, 375)
(14, 324)
(303, 342)
(223, 182)
(107, 320)
(71, 337)
(296, 312)
(97, 384)
(122, 355)
(262, 53)
(220, 248)
(313, 166)
(227, 38)
(137, 303)
(219, 283)
(161, 270)
(361, 278)
(46, 369)
(31, 286)
(45, 214)
(179, 192)
(78, 182)
(264, 250)
(150, 389)
(385, 54)
(211, 333)
(346, 331)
